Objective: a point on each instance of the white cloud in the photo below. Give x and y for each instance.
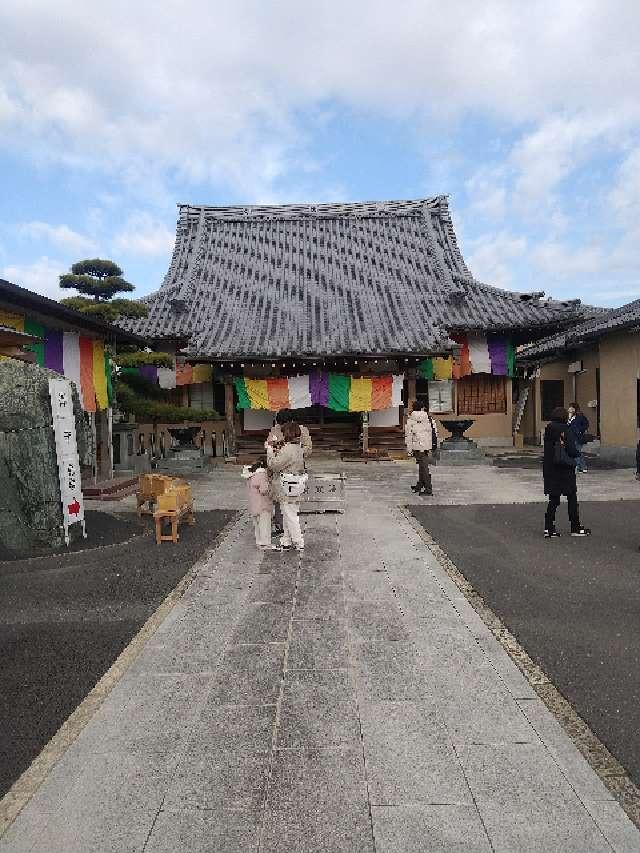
(488, 193)
(58, 235)
(491, 255)
(625, 195)
(545, 157)
(41, 275)
(144, 235)
(213, 92)
(559, 260)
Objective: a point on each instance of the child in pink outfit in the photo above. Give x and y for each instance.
(260, 501)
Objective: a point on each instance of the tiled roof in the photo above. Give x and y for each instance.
(328, 279)
(20, 299)
(601, 322)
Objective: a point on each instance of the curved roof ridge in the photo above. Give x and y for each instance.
(323, 210)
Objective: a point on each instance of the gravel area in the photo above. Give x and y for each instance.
(65, 618)
(573, 604)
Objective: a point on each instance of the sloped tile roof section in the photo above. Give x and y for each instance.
(328, 279)
(20, 299)
(600, 323)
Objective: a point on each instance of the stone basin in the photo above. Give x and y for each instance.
(457, 428)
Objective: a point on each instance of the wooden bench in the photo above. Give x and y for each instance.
(174, 505)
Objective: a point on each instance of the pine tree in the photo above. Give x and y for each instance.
(100, 280)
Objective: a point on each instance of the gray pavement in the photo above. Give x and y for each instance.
(348, 700)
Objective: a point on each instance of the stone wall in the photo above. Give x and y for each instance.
(30, 510)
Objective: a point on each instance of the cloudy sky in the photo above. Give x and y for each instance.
(527, 115)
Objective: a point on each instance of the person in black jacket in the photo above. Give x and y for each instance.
(559, 473)
(578, 424)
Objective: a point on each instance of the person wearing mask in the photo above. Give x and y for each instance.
(286, 463)
(559, 473)
(578, 424)
(421, 437)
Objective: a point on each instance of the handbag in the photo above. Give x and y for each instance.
(293, 485)
(561, 457)
(434, 436)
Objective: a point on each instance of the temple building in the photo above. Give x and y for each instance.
(347, 313)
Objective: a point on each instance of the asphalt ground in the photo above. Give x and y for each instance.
(64, 619)
(573, 604)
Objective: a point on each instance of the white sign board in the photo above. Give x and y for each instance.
(440, 396)
(64, 428)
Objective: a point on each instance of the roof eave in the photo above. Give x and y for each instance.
(27, 299)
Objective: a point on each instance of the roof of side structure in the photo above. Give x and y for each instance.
(600, 323)
(328, 279)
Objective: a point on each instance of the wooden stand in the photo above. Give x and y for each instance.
(174, 505)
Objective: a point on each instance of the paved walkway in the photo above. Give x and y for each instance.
(350, 700)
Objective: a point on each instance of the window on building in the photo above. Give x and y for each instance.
(552, 392)
(440, 396)
(482, 394)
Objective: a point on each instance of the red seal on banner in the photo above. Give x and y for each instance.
(74, 508)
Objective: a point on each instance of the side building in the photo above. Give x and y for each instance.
(34, 328)
(595, 363)
(346, 313)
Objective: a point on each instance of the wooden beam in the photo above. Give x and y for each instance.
(230, 416)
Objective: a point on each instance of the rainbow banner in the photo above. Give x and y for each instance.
(335, 391)
(479, 353)
(82, 360)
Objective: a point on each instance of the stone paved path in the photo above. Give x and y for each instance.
(349, 700)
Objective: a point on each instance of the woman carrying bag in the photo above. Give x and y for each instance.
(559, 472)
(289, 481)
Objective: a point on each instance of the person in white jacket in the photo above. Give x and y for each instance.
(419, 433)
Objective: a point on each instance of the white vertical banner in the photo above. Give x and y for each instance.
(64, 428)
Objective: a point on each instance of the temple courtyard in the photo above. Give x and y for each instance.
(428, 675)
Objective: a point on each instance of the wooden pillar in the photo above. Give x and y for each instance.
(230, 416)
(365, 433)
(411, 392)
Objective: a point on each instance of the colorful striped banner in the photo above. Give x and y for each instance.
(278, 391)
(86, 374)
(498, 352)
(382, 393)
(184, 374)
(53, 358)
(71, 360)
(334, 391)
(12, 321)
(80, 359)
(360, 395)
(461, 365)
(319, 388)
(478, 354)
(339, 388)
(443, 368)
(99, 377)
(201, 373)
(36, 329)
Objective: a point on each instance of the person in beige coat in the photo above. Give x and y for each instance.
(276, 433)
(287, 458)
(275, 437)
(419, 433)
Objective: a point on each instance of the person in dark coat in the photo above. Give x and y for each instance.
(578, 424)
(560, 478)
